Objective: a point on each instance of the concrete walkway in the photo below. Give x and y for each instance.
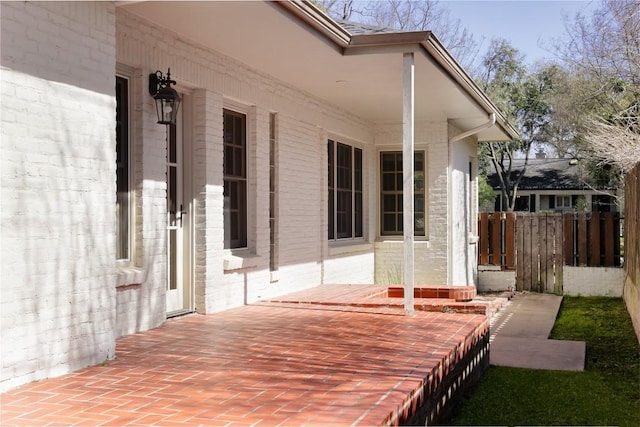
(520, 331)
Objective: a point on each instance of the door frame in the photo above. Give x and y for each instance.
(185, 160)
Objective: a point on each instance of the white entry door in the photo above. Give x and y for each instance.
(178, 223)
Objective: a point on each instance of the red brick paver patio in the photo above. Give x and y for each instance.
(272, 363)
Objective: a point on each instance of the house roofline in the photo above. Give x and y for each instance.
(317, 19)
(440, 54)
(407, 41)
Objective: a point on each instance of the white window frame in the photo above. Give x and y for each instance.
(334, 211)
(397, 149)
(130, 239)
(561, 199)
(234, 110)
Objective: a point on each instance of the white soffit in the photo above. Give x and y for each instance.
(264, 36)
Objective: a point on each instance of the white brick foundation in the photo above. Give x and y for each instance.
(593, 281)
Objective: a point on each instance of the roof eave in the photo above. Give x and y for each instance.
(439, 53)
(317, 19)
(412, 41)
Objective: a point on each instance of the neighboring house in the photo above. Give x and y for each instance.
(284, 170)
(554, 185)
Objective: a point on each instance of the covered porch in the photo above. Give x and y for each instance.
(304, 359)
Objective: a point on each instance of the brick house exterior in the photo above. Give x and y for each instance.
(81, 266)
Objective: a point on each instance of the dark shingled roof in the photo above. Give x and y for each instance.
(546, 174)
(355, 28)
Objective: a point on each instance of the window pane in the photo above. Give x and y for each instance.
(228, 129)
(388, 162)
(344, 214)
(331, 214)
(391, 193)
(273, 245)
(344, 166)
(389, 203)
(357, 162)
(419, 224)
(123, 212)
(330, 162)
(234, 198)
(389, 182)
(418, 161)
(238, 162)
(344, 208)
(419, 202)
(228, 161)
(235, 194)
(238, 135)
(390, 222)
(358, 215)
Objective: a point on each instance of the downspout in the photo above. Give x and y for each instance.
(470, 239)
(463, 135)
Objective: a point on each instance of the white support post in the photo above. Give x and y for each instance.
(408, 71)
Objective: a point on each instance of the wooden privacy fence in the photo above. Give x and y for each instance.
(537, 246)
(632, 232)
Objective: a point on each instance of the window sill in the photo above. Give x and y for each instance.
(349, 247)
(418, 240)
(238, 261)
(128, 276)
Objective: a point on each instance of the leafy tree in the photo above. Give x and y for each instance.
(524, 99)
(486, 194)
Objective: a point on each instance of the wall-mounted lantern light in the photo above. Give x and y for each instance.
(167, 99)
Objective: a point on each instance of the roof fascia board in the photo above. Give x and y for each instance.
(317, 19)
(391, 48)
(367, 44)
(119, 3)
(379, 39)
(439, 53)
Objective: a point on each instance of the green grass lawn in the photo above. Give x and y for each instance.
(606, 393)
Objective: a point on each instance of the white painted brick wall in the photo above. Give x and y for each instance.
(57, 294)
(593, 281)
(350, 268)
(431, 254)
(216, 80)
(495, 280)
(463, 209)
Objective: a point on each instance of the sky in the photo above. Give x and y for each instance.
(528, 25)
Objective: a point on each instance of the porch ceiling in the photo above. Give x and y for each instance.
(268, 37)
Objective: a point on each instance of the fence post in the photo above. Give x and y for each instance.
(496, 238)
(582, 239)
(483, 243)
(568, 239)
(543, 231)
(519, 252)
(510, 240)
(594, 229)
(559, 257)
(608, 242)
